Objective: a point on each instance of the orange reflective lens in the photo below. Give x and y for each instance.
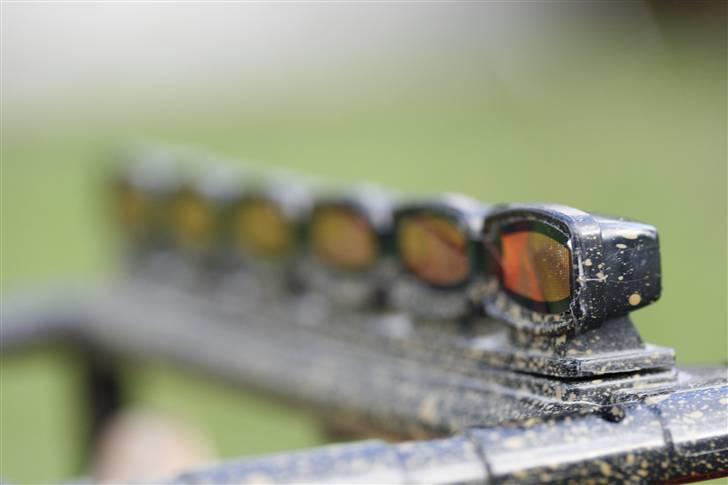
(537, 268)
(263, 229)
(343, 238)
(434, 248)
(192, 219)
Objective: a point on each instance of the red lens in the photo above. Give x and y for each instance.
(536, 267)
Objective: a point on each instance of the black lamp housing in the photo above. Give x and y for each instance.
(217, 190)
(424, 299)
(615, 268)
(293, 198)
(361, 287)
(151, 175)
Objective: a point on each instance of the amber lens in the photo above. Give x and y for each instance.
(130, 206)
(343, 238)
(263, 229)
(192, 218)
(434, 248)
(536, 267)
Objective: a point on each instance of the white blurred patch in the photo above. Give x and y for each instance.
(56, 51)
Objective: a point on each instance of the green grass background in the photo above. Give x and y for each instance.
(617, 132)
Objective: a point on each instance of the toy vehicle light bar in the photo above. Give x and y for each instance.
(547, 273)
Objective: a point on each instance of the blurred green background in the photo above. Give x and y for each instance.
(607, 109)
